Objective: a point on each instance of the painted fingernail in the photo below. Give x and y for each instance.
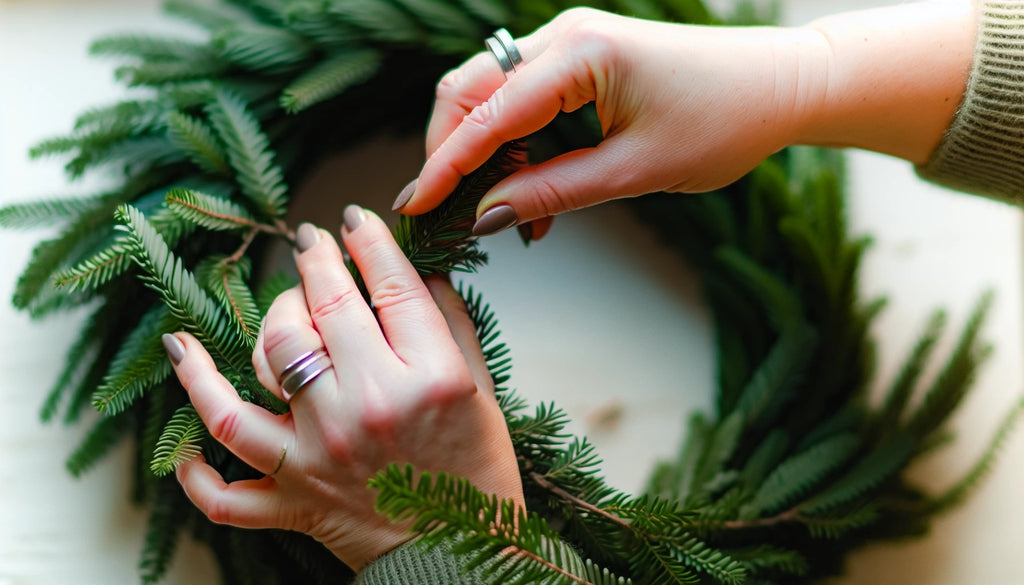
(495, 220)
(354, 217)
(175, 350)
(405, 195)
(306, 237)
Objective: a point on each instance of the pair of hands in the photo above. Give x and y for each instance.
(682, 109)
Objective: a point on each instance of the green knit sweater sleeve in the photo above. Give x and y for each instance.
(411, 564)
(983, 150)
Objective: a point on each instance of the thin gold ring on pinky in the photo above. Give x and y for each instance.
(303, 370)
(505, 51)
(280, 461)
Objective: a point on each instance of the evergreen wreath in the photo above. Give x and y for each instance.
(793, 469)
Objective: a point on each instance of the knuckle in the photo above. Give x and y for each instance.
(218, 511)
(549, 198)
(393, 290)
(224, 426)
(379, 417)
(445, 385)
(449, 88)
(334, 302)
(280, 335)
(480, 115)
(576, 14)
(337, 444)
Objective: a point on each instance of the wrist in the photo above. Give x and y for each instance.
(888, 79)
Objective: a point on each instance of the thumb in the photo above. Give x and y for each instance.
(574, 180)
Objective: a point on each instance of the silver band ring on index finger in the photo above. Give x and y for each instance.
(505, 38)
(303, 370)
(504, 50)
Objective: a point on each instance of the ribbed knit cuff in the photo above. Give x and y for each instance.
(411, 564)
(983, 150)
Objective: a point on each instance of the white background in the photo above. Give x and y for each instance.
(599, 319)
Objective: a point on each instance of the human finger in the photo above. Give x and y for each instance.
(260, 365)
(339, 313)
(247, 504)
(574, 180)
(250, 432)
(408, 315)
(524, 104)
(288, 333)
(462, 328)
(458, 92)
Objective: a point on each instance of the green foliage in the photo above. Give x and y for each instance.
(329, 78)
(510, 545)
(196, 138)
(180, 441)
(440, 241)
(212, 213)
(249, 153)
(139, 365)
(794, 468)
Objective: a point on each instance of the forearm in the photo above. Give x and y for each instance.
(891, 78)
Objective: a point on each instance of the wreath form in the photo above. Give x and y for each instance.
(795, 467)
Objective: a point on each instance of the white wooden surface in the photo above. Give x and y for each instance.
(596, 314)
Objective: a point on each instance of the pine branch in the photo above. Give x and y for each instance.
(196, 311)
(225, 278)
(180, 441)
(447, 508)
(149, 48)
(114, 260)
(441, 240)
(100, 440)
(801, 473)
(953, 381)
(378, 20)
(271, 288)
(139, 365)
(213, 213)
(261, 48)
(163, 531)
(902, 388)
(211, 17)
(868, 473)
(962, 489)
(46, 212)
(330, 78)
(194, 137)
(249, 153)
(495, 352)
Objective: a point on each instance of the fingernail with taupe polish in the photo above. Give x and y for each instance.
(495, 220)
(306, 237)
(405, 195)
(175, 350)
(354, 217)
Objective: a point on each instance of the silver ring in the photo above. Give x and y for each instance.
(505, 38)
(304, 370)
(501, 54)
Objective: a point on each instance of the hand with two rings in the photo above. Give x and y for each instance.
(682, 108)
(399, 380)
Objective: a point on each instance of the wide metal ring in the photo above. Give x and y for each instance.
(505, 38)
(504, 60)
(303, 370)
